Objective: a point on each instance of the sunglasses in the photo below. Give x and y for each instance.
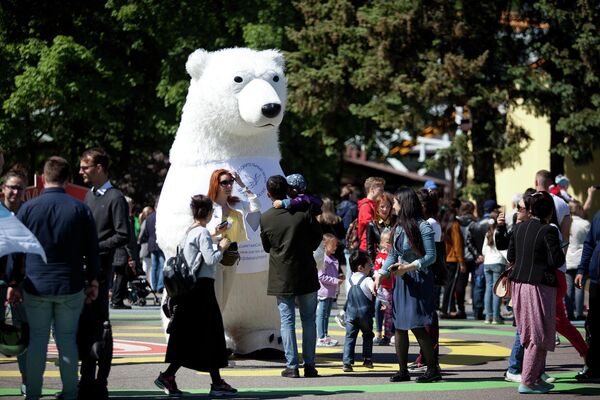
(16, 188)
(227, 182)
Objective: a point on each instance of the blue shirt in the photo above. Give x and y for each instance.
(66, 230)
(590, 255)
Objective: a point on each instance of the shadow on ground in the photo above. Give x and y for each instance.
(267, 394)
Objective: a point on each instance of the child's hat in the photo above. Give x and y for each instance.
(562, 181)
(296, 181)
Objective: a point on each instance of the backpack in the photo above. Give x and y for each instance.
(178, 277)
(352, 239)
(470, 250)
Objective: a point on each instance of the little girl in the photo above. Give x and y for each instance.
(383, 303)
(330, 279)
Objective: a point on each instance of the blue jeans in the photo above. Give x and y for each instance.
(515, 361)
(478, 292)
(492, 302)
(158, 261)
(574, 298)
(365, 325)
(62, 312)
(307, 304)
(323, 313)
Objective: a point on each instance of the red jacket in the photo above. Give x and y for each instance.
(366, 213)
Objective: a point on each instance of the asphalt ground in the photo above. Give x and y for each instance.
(473, 357)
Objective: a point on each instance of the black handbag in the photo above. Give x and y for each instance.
(231, 256)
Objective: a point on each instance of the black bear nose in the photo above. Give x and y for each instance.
(271, 110)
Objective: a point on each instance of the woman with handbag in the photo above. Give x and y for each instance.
(535, 251)
(197, 337)
(412, 254)
(493, 265)
(236, 214)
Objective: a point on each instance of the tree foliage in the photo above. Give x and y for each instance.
(565, 83)
(111, 73)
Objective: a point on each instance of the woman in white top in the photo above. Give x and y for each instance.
(493, 265)
(579, 230)
(239, 215)
(196, 333)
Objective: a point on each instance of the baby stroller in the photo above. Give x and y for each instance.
(139, 288)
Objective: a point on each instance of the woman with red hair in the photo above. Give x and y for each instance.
(238, 214)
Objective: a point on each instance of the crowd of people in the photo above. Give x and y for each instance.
(409, 256)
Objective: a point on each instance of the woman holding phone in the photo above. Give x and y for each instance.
(535, 250)
(412, 253)
(231, 212)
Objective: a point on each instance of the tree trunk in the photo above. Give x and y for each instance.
(483, 161)
(557, 162)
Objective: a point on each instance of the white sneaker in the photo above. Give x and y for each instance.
(393, 340)
(331, 341)
(547, 378)
(340, 319)
(509, 377)
(323, 342)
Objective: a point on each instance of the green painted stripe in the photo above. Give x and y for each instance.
(477, 331)
(569, 386)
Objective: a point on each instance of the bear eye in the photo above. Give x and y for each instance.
(238, 79)
(276, 78)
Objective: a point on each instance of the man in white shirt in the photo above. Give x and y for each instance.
(543, 180)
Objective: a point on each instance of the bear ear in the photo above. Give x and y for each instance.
(196, 63)
(276, 56)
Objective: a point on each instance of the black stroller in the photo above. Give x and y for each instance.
(139, 288)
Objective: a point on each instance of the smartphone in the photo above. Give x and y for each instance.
(223, 225)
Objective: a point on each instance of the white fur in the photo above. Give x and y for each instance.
(223, 126)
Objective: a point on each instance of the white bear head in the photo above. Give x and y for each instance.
(235, 104)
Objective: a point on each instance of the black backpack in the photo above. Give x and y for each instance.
(177, 275)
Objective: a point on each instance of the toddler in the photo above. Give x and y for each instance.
(298, 198)
(360, 308)
(384, 317)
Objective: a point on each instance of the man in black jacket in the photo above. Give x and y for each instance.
(121, 263)
(590, 265)
(110, 212)
(290, 239)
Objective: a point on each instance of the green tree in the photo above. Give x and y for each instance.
(426, 57)
(320, 68)
(565, 83)
(111, 73)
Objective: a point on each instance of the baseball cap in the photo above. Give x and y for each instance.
(490, 205)
(297, 182)
(429, 184)
(561, 181)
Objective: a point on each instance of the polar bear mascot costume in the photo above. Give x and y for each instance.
(230, 120)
